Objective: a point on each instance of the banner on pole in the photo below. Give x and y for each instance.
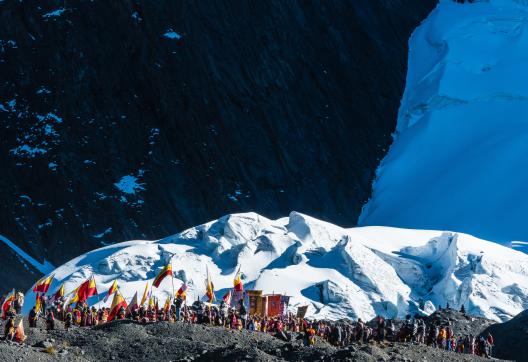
(255, 301)
(301, 311)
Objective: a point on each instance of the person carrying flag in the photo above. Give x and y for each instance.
(32, 317)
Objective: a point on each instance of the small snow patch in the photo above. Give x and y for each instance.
(26, 197)
(54, 13)
(129, 185)
(52, 166)
(28, 151)
(171, 34)
(136, 17)
(49, 116)
(43, 90)
(100, 235)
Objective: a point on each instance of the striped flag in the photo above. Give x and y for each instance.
(38, 302)
(86, 290)
(117, 303)
(227, 298)
(111, 291)
(209, 287)
(43, 284)
(237, 282)
(182, 292)
(59, 293)
(166, 307)
(167, 270)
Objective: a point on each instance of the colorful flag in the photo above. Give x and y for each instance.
(72, 297)
(145, 296)
(20, 335)
(209, 287)
(284, 302)
(133, 303)
(43, 284)
(117, 303)
(111, 291)
(166, 307)
(59, 293)
(7, 303)
(86, 290)
(237, 282)
(167, 270)
(273, 305)
(182, 292)
(301, 311)
(38, 302)
(227, 298)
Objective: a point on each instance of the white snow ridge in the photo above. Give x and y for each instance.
(359, 272)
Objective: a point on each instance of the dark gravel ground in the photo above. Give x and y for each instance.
(126, 340)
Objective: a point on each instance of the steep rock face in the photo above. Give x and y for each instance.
(135, 119)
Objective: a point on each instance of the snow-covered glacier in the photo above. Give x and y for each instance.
(459, 156)
(358, 272)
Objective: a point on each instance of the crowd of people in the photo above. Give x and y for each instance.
(417, 330)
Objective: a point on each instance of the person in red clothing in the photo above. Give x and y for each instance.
(491, 342)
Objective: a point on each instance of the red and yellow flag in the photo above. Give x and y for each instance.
(166, 307)
(145, 296)
(111, 291)
(43, 284)
(38, 302)
(209, 287)
(59, 293)
(227, 298)
(7, 303)
(72, 297)
(167, 270)
(86, 290)
(182, 292)
(237, 282)
(117, 303)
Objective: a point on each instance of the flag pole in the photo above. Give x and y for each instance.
(172, 280)
(98, 299)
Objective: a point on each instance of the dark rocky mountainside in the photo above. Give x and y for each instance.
(135, 119)
(511, 338)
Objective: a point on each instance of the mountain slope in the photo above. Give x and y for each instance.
(353, 273)
(142, 118)
(458, 157)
